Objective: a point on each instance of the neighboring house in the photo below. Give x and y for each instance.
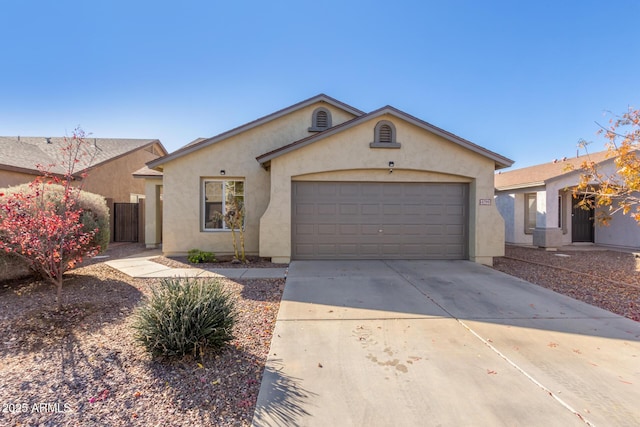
(324, 180)
(539, 209)
(110, 173)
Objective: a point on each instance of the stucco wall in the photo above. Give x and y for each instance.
(114, 179)
(10, 178)
(623, 231)
(347, 156)
(511, 206)
(506, 205)
(236, 155)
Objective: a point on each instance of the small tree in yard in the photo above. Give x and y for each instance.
(48, 232)
(619, 191)
(235, 221)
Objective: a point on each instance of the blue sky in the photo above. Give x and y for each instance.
(524, 79)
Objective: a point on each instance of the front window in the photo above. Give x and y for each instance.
(223, 200)
(530, 211)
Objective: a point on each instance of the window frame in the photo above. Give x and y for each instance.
(527, 212)
(314, 120)
(377, 143)
(223, 202)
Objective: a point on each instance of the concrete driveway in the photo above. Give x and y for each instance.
(443, 343)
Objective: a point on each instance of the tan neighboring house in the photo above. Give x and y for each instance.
(323, 180)
(538, 207)
(109, 174)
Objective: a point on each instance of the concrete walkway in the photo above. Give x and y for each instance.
(443, 343)
(140, 266)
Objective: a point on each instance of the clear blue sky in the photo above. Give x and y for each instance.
(526, 79)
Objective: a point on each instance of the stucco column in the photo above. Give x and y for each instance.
(275, 224)
(547, 234)
(153, 213)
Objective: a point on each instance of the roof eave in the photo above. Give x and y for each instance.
(253, 124)
(500, 161)
(521, 186)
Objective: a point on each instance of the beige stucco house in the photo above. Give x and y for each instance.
(539, 209)
(109, 164)
(324, 180)
(109, 173)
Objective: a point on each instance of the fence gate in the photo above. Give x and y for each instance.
(125, 222)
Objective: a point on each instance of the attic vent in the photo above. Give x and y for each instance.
(386, 134)
(320, 120)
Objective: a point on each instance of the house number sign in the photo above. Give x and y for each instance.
(485, 202)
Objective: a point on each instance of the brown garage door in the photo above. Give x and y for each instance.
(369, 220)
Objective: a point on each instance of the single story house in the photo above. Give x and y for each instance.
(539, 209)
(324, 180)
(110, 173)
(109, 164)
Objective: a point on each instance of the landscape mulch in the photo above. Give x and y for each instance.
(82, 366)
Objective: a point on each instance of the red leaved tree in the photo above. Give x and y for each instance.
(618, 190)
(44, 230)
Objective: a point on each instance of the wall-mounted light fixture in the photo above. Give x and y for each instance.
(223, 172)
(391, 166)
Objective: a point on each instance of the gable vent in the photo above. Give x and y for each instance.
(385, 133)
(322, 120)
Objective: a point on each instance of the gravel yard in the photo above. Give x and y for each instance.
(82, 366)
(605, 278)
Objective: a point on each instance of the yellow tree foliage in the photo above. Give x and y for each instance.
(619, 191)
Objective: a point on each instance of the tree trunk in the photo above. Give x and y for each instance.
(59, 292)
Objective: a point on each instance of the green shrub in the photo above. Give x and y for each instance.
(95, 211)
(185, 315)
(196, 256)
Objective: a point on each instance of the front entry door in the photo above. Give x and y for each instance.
(582, 224)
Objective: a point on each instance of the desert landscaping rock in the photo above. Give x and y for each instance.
(83, 367)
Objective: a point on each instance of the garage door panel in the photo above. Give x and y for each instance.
(326, 189)
(304, 229)
(367, 229)
(368, 209)
(326, 209)
(348, 209)
(304, 250)
(360, 220)
(349, 229)
(329, 229)
(392, 209)
(305, 208)
(389, 249)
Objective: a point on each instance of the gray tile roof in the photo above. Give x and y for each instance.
(25, 153)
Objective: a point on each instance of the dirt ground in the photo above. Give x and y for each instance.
(82, 366)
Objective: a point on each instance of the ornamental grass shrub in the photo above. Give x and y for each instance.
(185, 316)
